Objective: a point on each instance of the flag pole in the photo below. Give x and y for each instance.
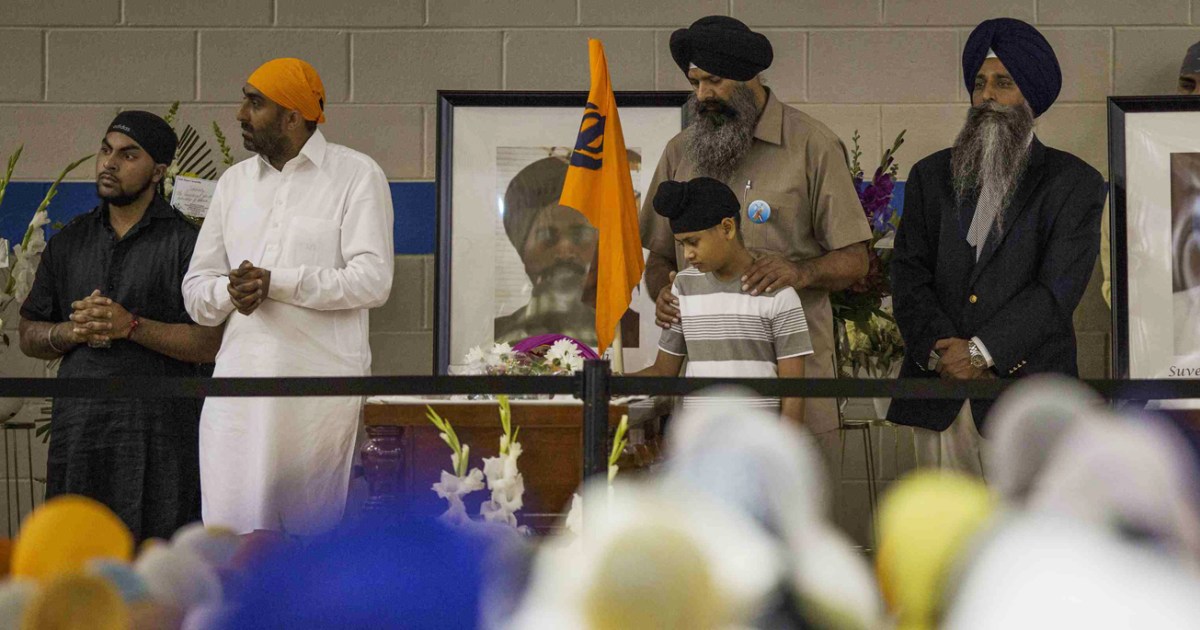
(618, 346)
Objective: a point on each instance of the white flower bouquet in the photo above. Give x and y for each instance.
(23, 263)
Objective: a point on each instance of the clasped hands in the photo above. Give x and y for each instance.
(767, 274)
(955, 362)
(248, 286)
(98, 320)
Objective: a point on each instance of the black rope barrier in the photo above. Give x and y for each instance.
(173, 387)
(595, 386)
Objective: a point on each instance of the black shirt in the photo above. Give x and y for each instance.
(142, 272)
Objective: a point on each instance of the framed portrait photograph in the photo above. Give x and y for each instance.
(511, 262)
(1154, 164)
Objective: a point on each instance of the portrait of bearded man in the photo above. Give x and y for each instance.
(556, 246)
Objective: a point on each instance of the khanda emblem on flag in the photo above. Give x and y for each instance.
(589, 145)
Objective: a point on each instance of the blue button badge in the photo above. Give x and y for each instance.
(759, 211)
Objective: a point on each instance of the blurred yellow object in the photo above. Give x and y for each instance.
(653, 577)
(925, 522)
(62, 535)
(76, 601)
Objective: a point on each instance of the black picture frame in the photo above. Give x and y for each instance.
(447, 103)
(1120, 111)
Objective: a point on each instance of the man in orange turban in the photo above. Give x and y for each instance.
(297, 241)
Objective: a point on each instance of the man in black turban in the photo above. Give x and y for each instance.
(996, 246)
(801, 218)
(107, 300)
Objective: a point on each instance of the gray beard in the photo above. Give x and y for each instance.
(716, 141)
(991, 152)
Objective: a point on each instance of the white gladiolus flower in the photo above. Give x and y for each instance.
(453, 489)
(507, 486)
(574, 522)
(475, 356)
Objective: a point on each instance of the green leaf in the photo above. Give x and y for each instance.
(12, 165)
(171, 114)
(505, 415)
(619, 441)
(223, 145)
(443, 426)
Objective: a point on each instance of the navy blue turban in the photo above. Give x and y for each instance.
(1023, 51)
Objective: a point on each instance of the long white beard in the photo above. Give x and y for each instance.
(991, 152)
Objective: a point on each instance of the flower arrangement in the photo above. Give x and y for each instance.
(872, 349)
(872, 343)
(574, 519)
(23, 262)
(543, 355)
(503, 477)
(192, 154)
(457, 484)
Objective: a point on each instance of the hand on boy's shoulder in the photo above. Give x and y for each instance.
(666, 305)
(772, 272)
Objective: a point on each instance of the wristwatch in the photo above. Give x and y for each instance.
(978, 361)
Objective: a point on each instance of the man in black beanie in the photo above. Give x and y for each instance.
(107, 300)
(997, 244)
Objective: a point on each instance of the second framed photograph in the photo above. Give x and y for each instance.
(1154, 164)
(511, 262)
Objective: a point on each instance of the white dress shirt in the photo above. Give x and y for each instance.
(323, 227)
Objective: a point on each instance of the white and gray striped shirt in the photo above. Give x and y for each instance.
(726, 332)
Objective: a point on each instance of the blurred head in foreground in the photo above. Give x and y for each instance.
(926, 523)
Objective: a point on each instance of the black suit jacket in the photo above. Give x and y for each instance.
(1019, 298)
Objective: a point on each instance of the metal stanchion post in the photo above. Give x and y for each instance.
(595, 393)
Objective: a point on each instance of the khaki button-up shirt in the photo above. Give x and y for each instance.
(799, 167)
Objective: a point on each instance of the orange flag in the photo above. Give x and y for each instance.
(598, 185)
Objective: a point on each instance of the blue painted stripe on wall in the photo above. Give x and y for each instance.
(413, 203)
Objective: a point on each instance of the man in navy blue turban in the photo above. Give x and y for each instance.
(996, 247)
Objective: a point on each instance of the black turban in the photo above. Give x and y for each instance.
(1191, 61)
(148, 130)
(695, 205)
(722, 46)
(1023, 51)
(533, 188)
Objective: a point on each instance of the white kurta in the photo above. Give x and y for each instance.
(323, 227)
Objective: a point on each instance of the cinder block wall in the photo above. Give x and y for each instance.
(875, 66)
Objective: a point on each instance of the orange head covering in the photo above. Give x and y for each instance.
(294, 84)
